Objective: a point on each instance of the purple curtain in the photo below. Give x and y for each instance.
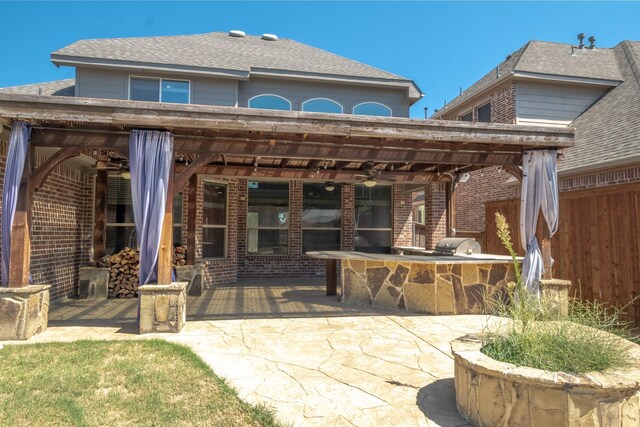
(150, 157)
(539, 191)
(16, 156)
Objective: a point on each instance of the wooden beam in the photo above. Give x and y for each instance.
(20, 259)
(284, 149)
(99, 215)
(341, 164)
(514, 170)
(284, 163)
(39, 176)
(304, 173)
(165, 255)
(192, 195)
(183, 176)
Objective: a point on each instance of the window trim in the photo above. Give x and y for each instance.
(160, 80)
(353, 110)
(225, 226)
(269, 94)
(323, 99)
(287, 228)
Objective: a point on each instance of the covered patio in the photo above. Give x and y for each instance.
(238, 144)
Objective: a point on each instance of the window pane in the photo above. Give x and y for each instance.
(213, 242)
(145, 90)
(266, 242)
(175, 91)
(322, 106)
(119, 208)
(177, 209)
(268, 204)
(270, 102)
(373, 206)
(373, 241)
(484, 113)
(321, 208)
(467, 117)
(320, 240)
(120, 237)
(177, 235)
(372, 109)
(214, 211)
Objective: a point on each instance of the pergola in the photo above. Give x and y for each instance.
(241, 142)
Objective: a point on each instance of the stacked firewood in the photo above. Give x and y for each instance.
(124, 269)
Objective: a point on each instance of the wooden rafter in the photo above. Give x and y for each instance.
(181, 178)
(39, 175)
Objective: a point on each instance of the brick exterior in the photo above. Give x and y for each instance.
(62, 227)
(435, 214)
(503, 105)
(402, 217)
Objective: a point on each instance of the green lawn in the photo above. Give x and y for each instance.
(125, 383)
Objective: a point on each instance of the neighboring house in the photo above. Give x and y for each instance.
(596, 91)
(245, 227)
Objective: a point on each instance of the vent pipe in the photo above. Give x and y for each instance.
(581, 39)
(592, 42)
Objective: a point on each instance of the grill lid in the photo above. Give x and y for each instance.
(458, 246)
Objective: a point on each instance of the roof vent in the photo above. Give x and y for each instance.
(270, 37)
(581, 40)
(237, 33)
(592, 42)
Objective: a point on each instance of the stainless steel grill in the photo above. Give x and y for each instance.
(457, 246)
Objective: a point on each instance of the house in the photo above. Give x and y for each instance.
(279, 149)
(595, 90)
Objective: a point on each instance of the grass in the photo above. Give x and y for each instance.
(124, 383)
(590, 337)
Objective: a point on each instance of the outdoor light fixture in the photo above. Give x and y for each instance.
(125, 174)
(330, 186)
(369, 182)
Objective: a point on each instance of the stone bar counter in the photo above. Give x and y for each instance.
(433, 284)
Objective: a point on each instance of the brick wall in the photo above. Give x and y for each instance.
(402, 217)
(600, 179)
(435, 214)
(483, 186)
(62, 226)
(503, 104)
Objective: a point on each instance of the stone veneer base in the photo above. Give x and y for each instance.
(432, 287)
(163, 308)
(24, 311)
(492, 393)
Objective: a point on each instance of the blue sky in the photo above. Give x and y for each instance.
(442, 46)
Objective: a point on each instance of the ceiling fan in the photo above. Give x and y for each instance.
(371, 176)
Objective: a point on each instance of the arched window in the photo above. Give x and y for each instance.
(372, 109)
(322, 105)
(270, 102)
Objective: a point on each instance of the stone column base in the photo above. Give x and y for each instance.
(94, 283)
(163, 308)
(24, 311)
(555, 295)
(194, 274)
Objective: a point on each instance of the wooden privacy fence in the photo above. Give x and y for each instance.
(597, 246)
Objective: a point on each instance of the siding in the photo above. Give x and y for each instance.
(114, 84)
(546, 104)
(347, 95)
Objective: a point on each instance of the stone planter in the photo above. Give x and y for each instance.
(94, 283)
(193, 275)
(492, 393)
(163, 308)
(24, 312)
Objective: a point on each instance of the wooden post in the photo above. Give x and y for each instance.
(165, 255)
(20, 260)
(544, 240)
(450, 207)
(192, 193)
(100, 211)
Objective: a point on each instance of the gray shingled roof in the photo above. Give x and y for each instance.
(546, 58)
(56, 88)
(221, 51)
(610, 129)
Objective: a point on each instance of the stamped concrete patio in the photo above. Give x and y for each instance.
(316, 361)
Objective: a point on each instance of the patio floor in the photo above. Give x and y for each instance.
(316, 361)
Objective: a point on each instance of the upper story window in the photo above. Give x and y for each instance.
(467, 117)
(322, 105)
(270, 102)
(484, 113)
(159, 90)
(372, 109)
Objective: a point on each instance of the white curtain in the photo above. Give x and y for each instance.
(539, 191)
(16, 157)
(150, 157)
